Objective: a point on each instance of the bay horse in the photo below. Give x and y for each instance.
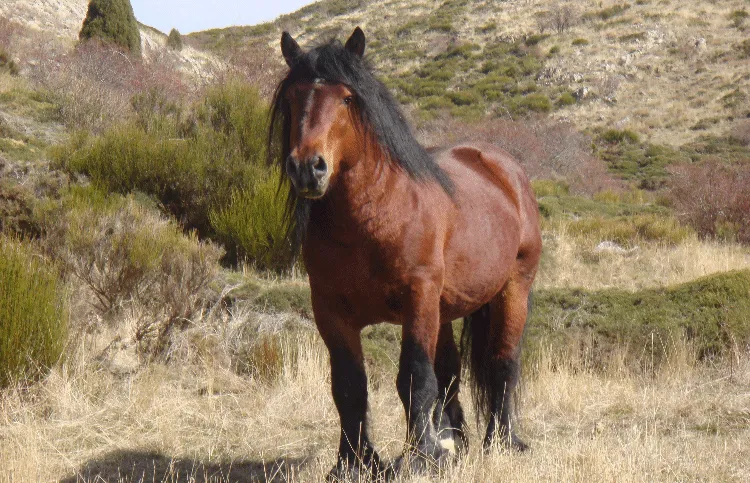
(392, 232)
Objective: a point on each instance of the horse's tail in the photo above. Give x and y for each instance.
(475, 353)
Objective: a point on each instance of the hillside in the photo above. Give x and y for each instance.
(62, 19)
(672, 71)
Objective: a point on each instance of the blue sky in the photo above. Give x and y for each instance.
(194, 15)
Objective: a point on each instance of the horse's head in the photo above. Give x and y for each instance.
(322, 134)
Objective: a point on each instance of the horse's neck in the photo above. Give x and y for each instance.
(362, 200)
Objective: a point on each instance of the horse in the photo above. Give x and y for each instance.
(390, 231)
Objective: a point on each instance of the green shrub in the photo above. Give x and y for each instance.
(432, 103)
(192, 167)
(744, 49)
(615, 136)
(33, 315)
(580, 41)
(174, 40)
(738, 18)
(531, 102)
(284, 296)
(487, 28)
(463, 98)
(7, 63)
(565, 99)
(534, 39)
(713, 313)
(112, 21)
(252, 225)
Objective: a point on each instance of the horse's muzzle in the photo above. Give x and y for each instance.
(309, 178)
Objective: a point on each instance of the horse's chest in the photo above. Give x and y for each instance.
(368, 280)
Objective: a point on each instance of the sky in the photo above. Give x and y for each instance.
(194, 15)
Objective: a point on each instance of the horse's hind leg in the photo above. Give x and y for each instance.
(449, 415)
(508, 312)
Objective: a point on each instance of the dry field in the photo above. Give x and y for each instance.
(103, 417)
(680, 422)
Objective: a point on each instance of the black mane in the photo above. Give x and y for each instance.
(379, 115)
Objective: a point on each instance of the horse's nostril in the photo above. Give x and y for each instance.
(319, 167)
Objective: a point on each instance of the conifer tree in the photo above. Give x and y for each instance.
(112, 21)
(174, 40)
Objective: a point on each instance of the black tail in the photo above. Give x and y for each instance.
(475, 353)
(475, 338)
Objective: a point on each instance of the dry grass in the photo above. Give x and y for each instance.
(201, 422)
(571, 262)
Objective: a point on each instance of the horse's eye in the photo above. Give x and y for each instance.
(348, 100)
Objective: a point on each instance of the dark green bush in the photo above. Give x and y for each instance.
(112, 21)
(7, 63)
(565, 99)
(463, 98)
(252, 225)
(174, 40)
(191, 167)
(738, 18)
(615, 136)
(207, 170)
(713, 313)
(33, 315)
(532, 103)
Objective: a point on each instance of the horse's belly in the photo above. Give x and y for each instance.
(481, 252)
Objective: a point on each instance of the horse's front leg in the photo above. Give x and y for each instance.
(416, 382)
(357, 458)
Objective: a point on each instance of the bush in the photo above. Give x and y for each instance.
(546, 150)
(206, 171)
(252, 225)
(614, 136)
(532, 102)
(129, 257)
(565, 99)
(33, 315)
(94, 84)
(112, 21)
(738, 18)
(559, 18)
(712, 312)
(714, 198)
(7, 63)
(174, 40)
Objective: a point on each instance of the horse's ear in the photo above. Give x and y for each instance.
(290, 49)
(356, 43)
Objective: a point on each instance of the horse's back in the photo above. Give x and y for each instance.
(485, 166)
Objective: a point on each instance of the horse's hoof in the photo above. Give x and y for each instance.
(518, 445)
(513, 443)
(419, 463)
